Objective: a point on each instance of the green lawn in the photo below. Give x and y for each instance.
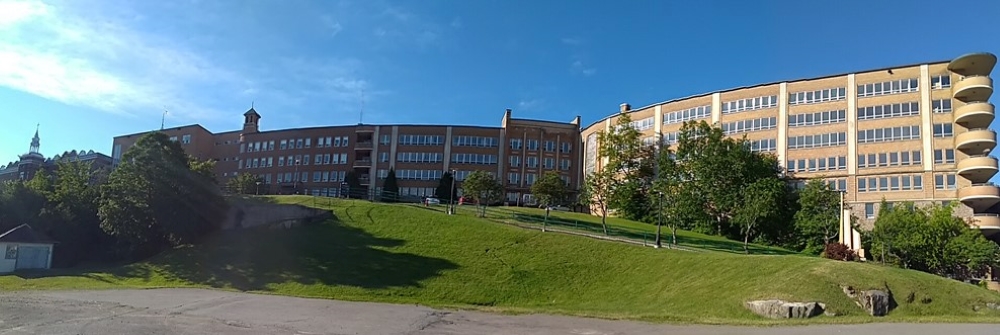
(408, 254)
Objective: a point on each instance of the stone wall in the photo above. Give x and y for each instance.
(246, 214)
(858, 210)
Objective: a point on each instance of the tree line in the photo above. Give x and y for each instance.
(716, 184)
(155, 199)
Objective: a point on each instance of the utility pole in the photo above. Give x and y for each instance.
(451, 194)
(659, 219)
(163, 118)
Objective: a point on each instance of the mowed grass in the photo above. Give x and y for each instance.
(408, 254)
(641, 230)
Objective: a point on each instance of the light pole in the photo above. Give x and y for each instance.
(295, 183)
(451, 194)
(659, 219)
(257, 192)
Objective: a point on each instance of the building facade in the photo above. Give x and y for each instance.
(916, 133)
(316, 160)
(30, 163)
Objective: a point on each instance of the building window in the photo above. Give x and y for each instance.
(420, 157)
(549, 163)
(473, 159)
(944, 156)
(533, 145)
(889, 87)
(564, 164)
(308, 141)
(11, 252)
(298, 143)
(385, 139)
(941, 106)
(749, 104)
(818, 118)
(699, 112)
(284, 144)
(186, 139)
(515, 144)
(832, 163)
(908, 182)
(944, 182)
(514, 178)
(532, 162)
(305, 160)
(550, 146)
(474, 141)
(764, 145)
(565, 147)
(887, 111)
(639, 125)
(870, 210)
(943, 130)
(824, 95)
(890, 159)
(515, 161)
(816, 141)
(750, 125)
(590, 154)
(889, 134)
(420, 140)
(941, 82)
(529, 179)
(270, 146)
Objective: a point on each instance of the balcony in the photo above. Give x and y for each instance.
(979, 196)
(976, 88)
(365, 180)
(978, 169)
(976, 141)
(367, 145)
(988, 224)
(362, 163)
(974, 64)
(977, 114)
(364, 129)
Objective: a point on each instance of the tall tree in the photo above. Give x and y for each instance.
(447, 189)
(598, 188)
(390, 187)
(631, 166)
(818, 220)
(761, 201)
(354, 188)
(483, 188)
(550, 189)
(205, 168)
(153, 200)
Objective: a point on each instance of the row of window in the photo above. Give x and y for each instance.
(689, 114)
(532, 145)
(816, 141)
(643, 124)
(419, 157)
(326, 142)
(750, 125)
(889, 134)
(532, 162)
(473, 159)
(941, 82)
(419, 174)
(475, 141)
(891, 183)
(833, 163)
(817, 118)
(887, 159)
(887, 111)
(421, 140)
(824, 95)
(749, 104)
(764, 145)
(836, 184)
(889, 87)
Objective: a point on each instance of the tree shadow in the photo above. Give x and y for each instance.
(326, 253)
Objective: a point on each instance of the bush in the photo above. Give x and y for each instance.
(839, 251)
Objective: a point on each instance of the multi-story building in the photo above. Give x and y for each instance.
(316, 160)
(30, 163)
(915, 133)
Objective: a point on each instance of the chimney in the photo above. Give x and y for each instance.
(576, 121)
(625, 107)
(506, 118)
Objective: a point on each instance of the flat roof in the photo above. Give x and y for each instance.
(760, 85)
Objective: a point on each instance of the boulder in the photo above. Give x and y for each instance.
(874, 302)
(780, 309)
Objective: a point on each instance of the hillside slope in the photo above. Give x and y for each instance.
(407, 254)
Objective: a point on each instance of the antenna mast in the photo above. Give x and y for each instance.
(163, 118)
(361, 117)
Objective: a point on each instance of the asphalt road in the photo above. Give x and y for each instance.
(190, 311)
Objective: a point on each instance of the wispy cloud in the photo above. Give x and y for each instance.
(574, 41)
(531, 104)
(578, 67)
(106, 61)
(456, 23)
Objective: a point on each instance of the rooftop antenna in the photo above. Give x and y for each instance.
(163, 118)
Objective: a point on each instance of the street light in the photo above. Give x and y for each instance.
(659, 219)
(295, 183)
(257, 192)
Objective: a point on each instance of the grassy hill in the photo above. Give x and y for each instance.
(408, 254)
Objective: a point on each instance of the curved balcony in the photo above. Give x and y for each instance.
(978, 169)
(988, 224)
(975, 88)
(973, 64)
(976, 141)
(979, 196)
(977, 114)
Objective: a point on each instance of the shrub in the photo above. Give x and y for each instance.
(839, 251)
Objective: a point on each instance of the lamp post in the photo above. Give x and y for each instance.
(451, 194)
(659, 219)
(295, 183)
(257, 192)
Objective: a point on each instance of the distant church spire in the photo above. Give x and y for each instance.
(35, 141)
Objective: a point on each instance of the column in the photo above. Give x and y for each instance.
(393, 142)
(501, 158)
(447, 149)
(852, 127)
(926, 115)
(782, 140)
(716, 107)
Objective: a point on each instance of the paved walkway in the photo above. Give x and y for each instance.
(192, 311)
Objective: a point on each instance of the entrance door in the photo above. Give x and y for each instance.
(32, 257)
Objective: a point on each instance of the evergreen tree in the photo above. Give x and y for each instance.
(390, 187)
(444, 185)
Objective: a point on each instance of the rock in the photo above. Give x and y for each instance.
(993, 305)
(849, 291)
(874, 302)
(780, 309)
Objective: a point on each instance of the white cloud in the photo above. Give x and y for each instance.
(578, 67)
(532, 104)
(332, 25)
(572, 40)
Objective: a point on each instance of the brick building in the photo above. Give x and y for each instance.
(30, 163)
(315, 160)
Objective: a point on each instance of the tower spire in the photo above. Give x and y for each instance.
(35, 141)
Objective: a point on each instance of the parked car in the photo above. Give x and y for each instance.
(431, 201)
(558, 208)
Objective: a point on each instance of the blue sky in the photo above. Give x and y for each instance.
(89, 70)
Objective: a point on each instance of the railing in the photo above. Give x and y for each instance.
(988, 215)
(364, 180)
(364, 145)
(363, 162)
(983, 184)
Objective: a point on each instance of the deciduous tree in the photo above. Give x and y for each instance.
(549, 190)
(817, 222)
(761, 201)
(483, 188)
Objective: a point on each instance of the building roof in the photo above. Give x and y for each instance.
(252, 111)
(25, 234)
